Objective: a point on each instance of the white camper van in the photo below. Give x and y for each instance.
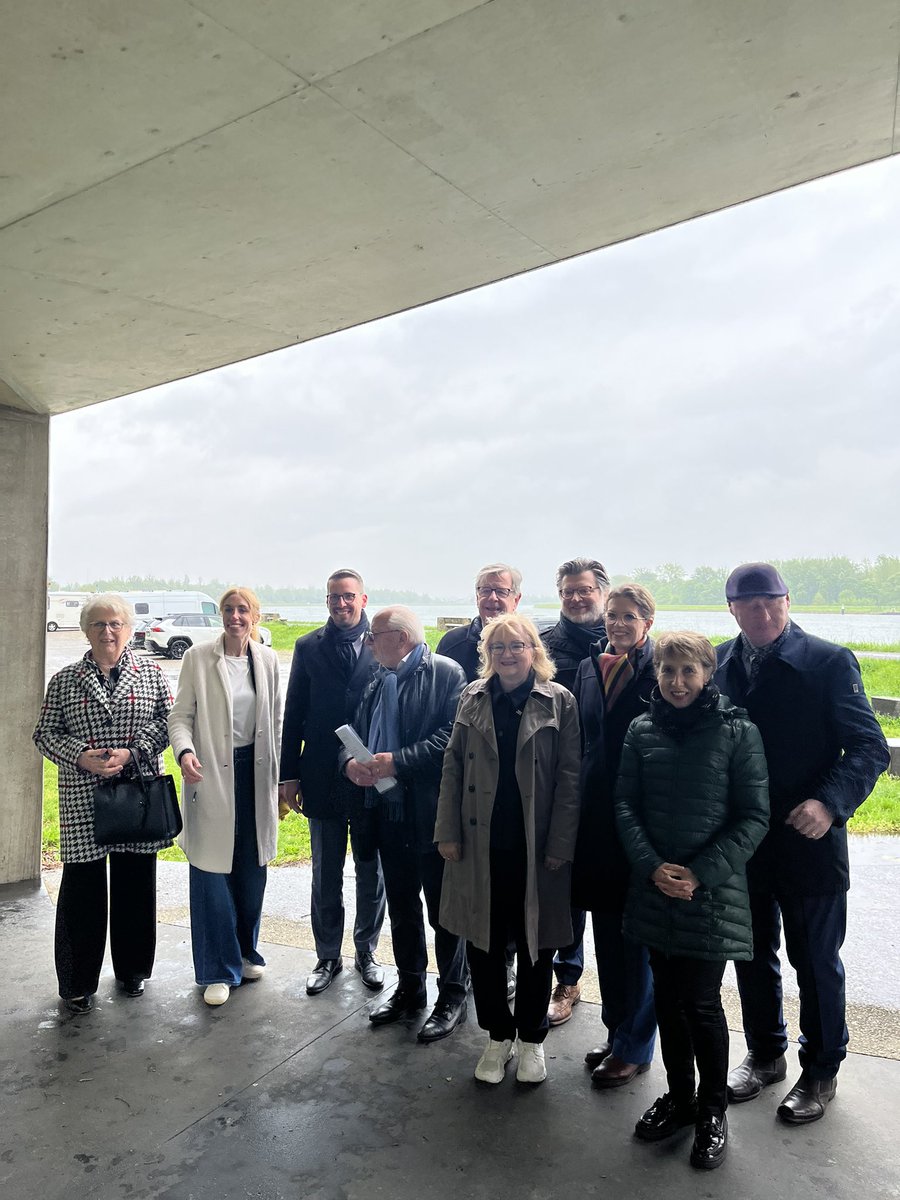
(64, 609)
(149, 605)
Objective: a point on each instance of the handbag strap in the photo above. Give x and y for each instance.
(136, 763)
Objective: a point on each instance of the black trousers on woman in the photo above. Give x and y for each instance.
(488, 969)
(81, 919)
(692, 1027)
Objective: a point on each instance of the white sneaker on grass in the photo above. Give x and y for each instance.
(217, 993)
(492, 1064)
(251, 970)
(532, 1068)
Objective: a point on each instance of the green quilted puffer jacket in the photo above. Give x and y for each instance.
(697, 797)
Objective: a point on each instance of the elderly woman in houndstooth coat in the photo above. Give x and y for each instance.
(95, 709)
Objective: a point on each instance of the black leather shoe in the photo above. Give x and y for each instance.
(80, 1005)
(710, 1143)
(664, 1117)
(445, 1016)
(595, 1057)
(748, 1080)
(326, 969)
(132, 985)
(613, 1072)
(806, 1100)
(397, 1006)
(372, 972)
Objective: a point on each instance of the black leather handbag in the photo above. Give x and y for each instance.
(136, 807)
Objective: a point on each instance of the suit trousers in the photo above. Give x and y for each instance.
(814, 929)
(328, 844)
(408, 872)
(81, 917)
(568, 964)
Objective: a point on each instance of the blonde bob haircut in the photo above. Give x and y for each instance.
(637, 595)
(512, 627)
(249, 598)
(109, 602)
(692, 647)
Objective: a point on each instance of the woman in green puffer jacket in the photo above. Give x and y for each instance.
(692, 804)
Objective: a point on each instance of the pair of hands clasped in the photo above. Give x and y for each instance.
(367, 774)
(105, 761)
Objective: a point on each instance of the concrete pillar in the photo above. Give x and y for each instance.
(24, 447)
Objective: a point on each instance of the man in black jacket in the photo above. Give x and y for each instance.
(498, 589)
(825, 751)
(330, 669)
(405, 717)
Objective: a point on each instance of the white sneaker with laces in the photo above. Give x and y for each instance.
(251, 970)
(217, 993)
(532, 1068)
(492, 1064)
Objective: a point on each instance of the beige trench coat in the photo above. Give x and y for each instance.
(201, 721)
(548, 758)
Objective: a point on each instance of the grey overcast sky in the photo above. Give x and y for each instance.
(720, 391)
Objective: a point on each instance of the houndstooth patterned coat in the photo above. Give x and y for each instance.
(79, 714)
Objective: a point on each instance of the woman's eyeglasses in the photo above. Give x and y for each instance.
(512, 647)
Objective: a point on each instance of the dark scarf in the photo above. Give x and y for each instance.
(758, 654)
(583, 636)
(384, 728)
(343, 640)
(679, 722)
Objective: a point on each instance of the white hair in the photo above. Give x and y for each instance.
(398, 616)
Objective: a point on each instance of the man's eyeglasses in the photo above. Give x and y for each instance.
(581, 592)
(112, 626)
(621, 618)
(512, 647)
(501, 593)
(373, 634)
(334, 597)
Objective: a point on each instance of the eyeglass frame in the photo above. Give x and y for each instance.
(331, 598)
(581, 592)
(502, 593)
(112, 626)
(512, 647)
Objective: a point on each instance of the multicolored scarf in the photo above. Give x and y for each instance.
(616, 672)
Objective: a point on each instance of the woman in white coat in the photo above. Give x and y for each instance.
(225, 728)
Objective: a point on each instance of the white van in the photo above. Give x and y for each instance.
(156, 605)
(64, 609)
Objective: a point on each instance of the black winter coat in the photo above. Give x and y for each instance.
(320, 697)
(461, 644)
(822, 742)
(699, 799)
(600, 874)
(567, 654)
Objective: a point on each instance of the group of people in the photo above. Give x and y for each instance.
(693, 800)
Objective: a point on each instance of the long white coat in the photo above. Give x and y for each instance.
(201, 720)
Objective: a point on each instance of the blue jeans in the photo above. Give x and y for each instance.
(568, 963)
(626, 990)
(328, 844)
(226, 909)
(814, 929)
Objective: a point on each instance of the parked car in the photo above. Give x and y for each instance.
(174, 635)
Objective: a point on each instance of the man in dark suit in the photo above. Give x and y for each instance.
(498, 589)
(825, 750)
(330, 670)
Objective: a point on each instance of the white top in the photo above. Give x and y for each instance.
(243, 699)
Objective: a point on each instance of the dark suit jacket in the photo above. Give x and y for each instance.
(320, 697)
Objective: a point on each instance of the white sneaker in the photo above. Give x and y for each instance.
(251, 970)
(532, 1068)
(492, 1064)
(217, 993)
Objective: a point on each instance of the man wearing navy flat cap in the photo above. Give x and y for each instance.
(825, 750)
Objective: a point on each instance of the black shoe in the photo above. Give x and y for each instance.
(131, 985)
(372, 972)
(326, 969)
(79, 1005)
(710, 1143)
(445, 1016)
(595, 1057)
(401, 1004)
(748, 1080)
(806, 1100)
(664, 1117)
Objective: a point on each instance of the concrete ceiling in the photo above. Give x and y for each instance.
(185, 184)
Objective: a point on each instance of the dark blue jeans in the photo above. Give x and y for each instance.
(626, 990)
(814, 929)
(226, 909)
(568, 963)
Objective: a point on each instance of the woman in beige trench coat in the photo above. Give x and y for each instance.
(506, 827)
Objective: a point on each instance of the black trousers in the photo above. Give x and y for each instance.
(692, 1028)
(81, 919)
(488, 968)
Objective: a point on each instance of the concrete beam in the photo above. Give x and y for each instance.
(24, 453)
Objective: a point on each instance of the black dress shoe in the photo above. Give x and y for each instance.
(401, 1004)
(326, 969)
(748, 1080)
(806, 1100)
(372, 972)
(445, 1016)
(595, 1057)
(710, 1143)
(664, 1117)
(132, 985)
(80, 1004)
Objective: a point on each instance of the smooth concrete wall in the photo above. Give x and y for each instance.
(24, 446)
